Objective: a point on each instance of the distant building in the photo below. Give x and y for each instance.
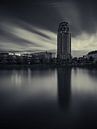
(63, 41)
(4, 54)
(43, 55)
(4, 57)
(38, 57)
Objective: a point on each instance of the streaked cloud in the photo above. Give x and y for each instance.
(30, 39)
(25, 36)
(85, 42)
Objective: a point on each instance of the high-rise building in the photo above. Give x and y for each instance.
(63, 41)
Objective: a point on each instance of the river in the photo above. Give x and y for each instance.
(47, 98)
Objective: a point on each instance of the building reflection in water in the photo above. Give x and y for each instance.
(64, 87)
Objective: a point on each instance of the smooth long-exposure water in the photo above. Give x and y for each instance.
(60, 98)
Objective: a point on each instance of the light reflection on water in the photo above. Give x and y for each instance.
(48, 98)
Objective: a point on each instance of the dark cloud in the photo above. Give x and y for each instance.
(44, 13)
(47, 14)
(88, 14)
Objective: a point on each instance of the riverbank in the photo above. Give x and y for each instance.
(26, 66)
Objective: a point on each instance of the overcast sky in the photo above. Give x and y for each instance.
(33, 24)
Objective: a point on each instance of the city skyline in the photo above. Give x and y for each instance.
(32, 25)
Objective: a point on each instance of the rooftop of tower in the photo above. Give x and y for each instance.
(63, 27)
(63, 24)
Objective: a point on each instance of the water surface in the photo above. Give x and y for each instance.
(60, 98)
